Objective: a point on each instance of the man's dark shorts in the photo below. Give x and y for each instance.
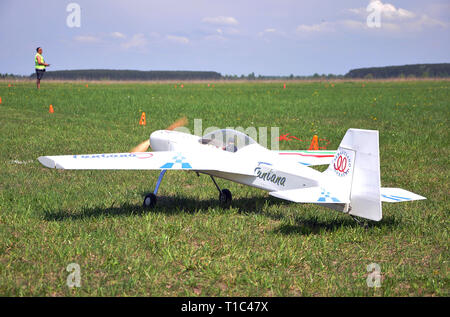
(40, 73)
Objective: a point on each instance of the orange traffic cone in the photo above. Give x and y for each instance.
(314, 144)
(142, 121)
(50, 109)
(284, 86)
(0, 100)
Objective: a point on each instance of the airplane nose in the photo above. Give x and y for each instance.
(159, 141)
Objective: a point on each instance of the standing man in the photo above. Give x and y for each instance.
(40, 66)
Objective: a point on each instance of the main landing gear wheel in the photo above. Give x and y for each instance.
(224, 194)
(225, 197)
(149, 201)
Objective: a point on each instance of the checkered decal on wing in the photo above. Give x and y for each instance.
(179, 159)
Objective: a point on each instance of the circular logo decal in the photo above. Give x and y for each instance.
(342, 163)
(143, 155)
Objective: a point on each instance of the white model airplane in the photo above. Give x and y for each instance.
(351, 183)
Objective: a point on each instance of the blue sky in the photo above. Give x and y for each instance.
(278, 37)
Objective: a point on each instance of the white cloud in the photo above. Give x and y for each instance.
(270, 30)
(316, 28)
(392, 20)
(427, 21)
(136, 41)
(220, 20)
(215, 37)
(231, 31)
(352, 24)
(397, 19)
(221, 34)
(118, 35)
(267, 32)
(270, 34)
(87, 39)
(388, 10)
(178, 39)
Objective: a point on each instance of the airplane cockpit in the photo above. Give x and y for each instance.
(227, 140)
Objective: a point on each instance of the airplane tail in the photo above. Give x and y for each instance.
(355, 173)
(351, 183)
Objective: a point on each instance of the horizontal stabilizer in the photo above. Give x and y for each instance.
(321, 195)
(396, 195)
(308, 158)
(311, 195)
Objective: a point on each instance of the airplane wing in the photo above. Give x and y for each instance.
(311, 195)
(308, 158)
(221, 161)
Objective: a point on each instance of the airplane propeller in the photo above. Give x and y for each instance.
(143, 147)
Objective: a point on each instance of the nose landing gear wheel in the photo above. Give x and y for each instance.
(225, 197)
(149, 201)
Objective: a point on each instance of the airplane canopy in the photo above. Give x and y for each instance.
(227, 139)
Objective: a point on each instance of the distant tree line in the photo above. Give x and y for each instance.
(108, 74)
(252, 76)
(11, 76)
(405, 71)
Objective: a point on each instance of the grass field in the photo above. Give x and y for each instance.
(190, 246)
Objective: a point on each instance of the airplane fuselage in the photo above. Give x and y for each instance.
(268, 171)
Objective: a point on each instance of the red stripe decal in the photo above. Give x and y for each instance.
(310, 155)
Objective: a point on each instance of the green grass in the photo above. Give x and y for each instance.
(190, 246)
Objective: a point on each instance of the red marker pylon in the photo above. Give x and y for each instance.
(314, 144)
(142, 121)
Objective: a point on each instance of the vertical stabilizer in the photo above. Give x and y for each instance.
(355, 170)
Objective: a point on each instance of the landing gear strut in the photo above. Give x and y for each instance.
(150, 199)
(224, 194)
